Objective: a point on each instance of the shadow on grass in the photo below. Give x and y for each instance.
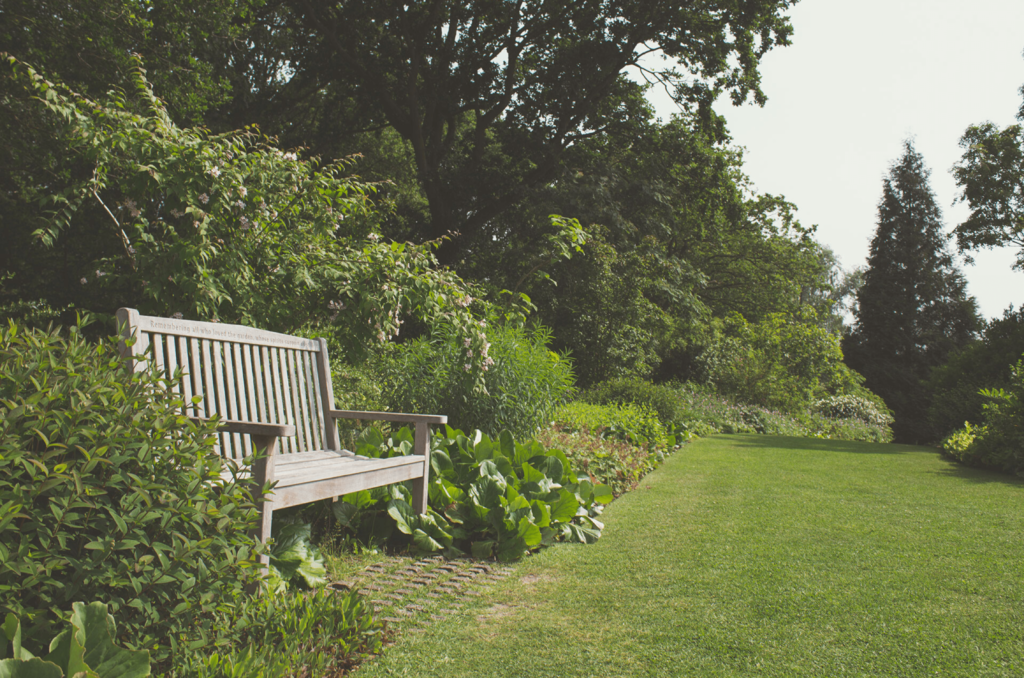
(949, 468)
(820, 445)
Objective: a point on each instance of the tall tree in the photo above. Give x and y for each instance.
(913, 307)
(490, 94)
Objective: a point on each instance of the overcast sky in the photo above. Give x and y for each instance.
(860, 77)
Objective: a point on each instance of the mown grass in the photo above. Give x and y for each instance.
(763, 556)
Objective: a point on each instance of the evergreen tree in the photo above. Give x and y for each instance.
(913, 309)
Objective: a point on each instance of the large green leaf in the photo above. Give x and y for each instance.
(29, 668)
(565, 508)
(404, 516)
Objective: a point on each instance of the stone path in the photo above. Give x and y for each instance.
(410, 595)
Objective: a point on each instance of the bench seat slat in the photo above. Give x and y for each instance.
(309, 470)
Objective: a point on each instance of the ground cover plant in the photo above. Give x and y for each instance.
(489, 497)
(762, 555)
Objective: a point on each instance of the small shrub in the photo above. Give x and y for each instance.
(630, 423)
(657, 397)
(959, 444)
(107, 492)
(524, 385)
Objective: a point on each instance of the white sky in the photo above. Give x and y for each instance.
(860, 77)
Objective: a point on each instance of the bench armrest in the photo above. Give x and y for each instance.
(389, 416)
(252, 428)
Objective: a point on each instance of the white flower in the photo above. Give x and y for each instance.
(290, 156)
(467, 341)
(374, 237)
(466, 367)
(203, 198)
(100, 274)
(177, 316)
(239, 204)
(84, 281)
(176, 213)
(214, 172)
(243, 191)
(245, 223)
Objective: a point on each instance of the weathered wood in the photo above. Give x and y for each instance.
(273, 395)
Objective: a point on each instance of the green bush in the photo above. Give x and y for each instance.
(319, 633)
(999, 443)
(627, 422)
(524, 380)
(661, 398)
(488, 497)
(108, 493)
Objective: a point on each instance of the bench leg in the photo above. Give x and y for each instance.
(421, 445)
(262, 472)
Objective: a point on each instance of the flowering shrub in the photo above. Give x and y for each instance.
(851, 406)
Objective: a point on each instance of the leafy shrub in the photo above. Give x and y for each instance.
(959, 444)
(662, 399)
(630, 423)
(489, 497)
(999, 443)
(319, 633)
(107, 492)
(852, 407)
(524, 383)
(87, 648)
(614, 463)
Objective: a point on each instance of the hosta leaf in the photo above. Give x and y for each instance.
(344, 512)
(507, 445)
(424, 541)
(531, 475)
(403, 515)
(603, 494)
(529, 532)
(482, 550)
(565, 508)
(29, 668)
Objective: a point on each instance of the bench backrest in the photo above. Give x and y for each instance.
(241, 373)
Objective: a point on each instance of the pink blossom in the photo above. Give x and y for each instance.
(214, 172)
(203, 198)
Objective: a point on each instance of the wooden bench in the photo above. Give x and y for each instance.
(273, 393)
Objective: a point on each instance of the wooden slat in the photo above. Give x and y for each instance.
(233, 411)
(302, 393)
(209, 386)
(197, 377)
(299, 463)
(264, 398)
(247, 359)
(304, 493)
(323, 368)
(295, 391)
(186, 376)
(156, 341)
(301, 473)
(171, 358)
(316, 431)
(283, 415)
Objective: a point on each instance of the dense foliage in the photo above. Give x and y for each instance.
(986, 363)
(85, 649)
(108, 492)
(913, 308)
(523, 380)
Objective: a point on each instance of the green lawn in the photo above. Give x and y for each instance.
(763, 556)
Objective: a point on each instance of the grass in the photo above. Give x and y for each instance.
(763, 556)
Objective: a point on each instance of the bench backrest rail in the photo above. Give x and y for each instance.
(241, 373)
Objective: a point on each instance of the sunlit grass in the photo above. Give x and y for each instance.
(753, 555)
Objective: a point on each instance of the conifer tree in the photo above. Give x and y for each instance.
(913, 309)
